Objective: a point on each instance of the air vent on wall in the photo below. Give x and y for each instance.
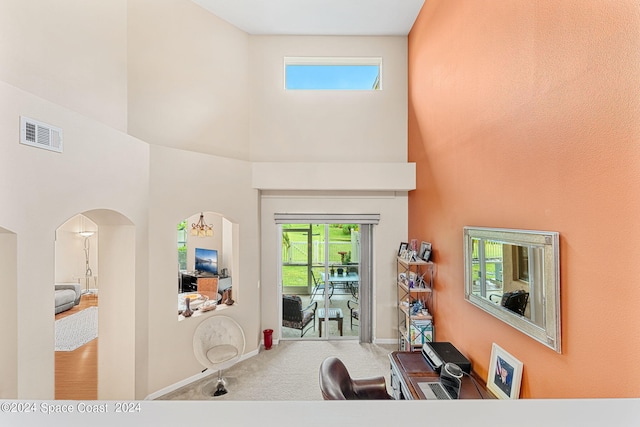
(41, 135)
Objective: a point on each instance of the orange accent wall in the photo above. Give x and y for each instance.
(526, 114)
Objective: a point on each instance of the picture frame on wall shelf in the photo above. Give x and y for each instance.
(425, 251)
(505, 374)
(403, 248)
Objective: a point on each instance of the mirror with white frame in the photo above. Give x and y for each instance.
(515, 276)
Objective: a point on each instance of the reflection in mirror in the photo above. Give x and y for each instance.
(505, 269)
(513, 274)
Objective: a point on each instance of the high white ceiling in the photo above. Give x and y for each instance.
(318, 17)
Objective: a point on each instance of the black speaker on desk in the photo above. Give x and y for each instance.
(451, 379)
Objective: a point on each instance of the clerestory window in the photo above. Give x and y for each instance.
(333, 73)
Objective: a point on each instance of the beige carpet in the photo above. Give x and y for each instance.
(289, 371)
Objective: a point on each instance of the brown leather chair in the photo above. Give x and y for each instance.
(337, 384)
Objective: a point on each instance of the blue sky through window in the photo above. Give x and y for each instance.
(340, 77)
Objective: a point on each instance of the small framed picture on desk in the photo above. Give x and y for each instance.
(505, 374)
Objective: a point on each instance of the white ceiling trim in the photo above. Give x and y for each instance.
(318, 17)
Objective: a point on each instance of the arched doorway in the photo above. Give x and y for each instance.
(76, 310)
(104, 265)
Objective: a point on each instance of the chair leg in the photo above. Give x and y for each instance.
(220, 385)
(313, 293)
(313, 325)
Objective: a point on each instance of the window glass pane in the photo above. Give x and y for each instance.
(320, 268)
(328, 76)
(182, 245)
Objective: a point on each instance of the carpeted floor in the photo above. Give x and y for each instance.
(289, 371)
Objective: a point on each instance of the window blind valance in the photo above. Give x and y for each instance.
(317, 218)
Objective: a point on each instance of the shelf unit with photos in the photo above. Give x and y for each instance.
(414, 283)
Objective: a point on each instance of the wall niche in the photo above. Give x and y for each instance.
(207, 263)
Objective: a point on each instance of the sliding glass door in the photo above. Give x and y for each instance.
(320, 273)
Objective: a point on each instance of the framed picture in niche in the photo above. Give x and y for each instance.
(505, 374)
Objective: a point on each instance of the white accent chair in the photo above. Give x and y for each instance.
(218, 344)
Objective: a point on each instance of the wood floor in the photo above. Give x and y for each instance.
(77, 370)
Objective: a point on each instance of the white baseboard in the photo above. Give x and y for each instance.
(384, 341)
(191, 379)
(275, 342)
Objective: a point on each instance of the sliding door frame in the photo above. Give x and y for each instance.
(365, 300)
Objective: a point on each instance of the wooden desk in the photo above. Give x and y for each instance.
(407, 368)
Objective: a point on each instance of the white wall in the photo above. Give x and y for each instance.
(230, 238)
(118, 312)
(72, 53)
(185, 82)
(293, 176)
(331, 138)
(64, 63)
(188, 78)
(100, 168)
(388, 234)
(327, 126)
(8, 315)
(181, 183)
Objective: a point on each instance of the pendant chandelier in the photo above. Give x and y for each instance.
(201, 228)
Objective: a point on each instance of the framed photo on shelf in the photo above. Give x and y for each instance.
(425, 251)
(505, 374)
(403, 248)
